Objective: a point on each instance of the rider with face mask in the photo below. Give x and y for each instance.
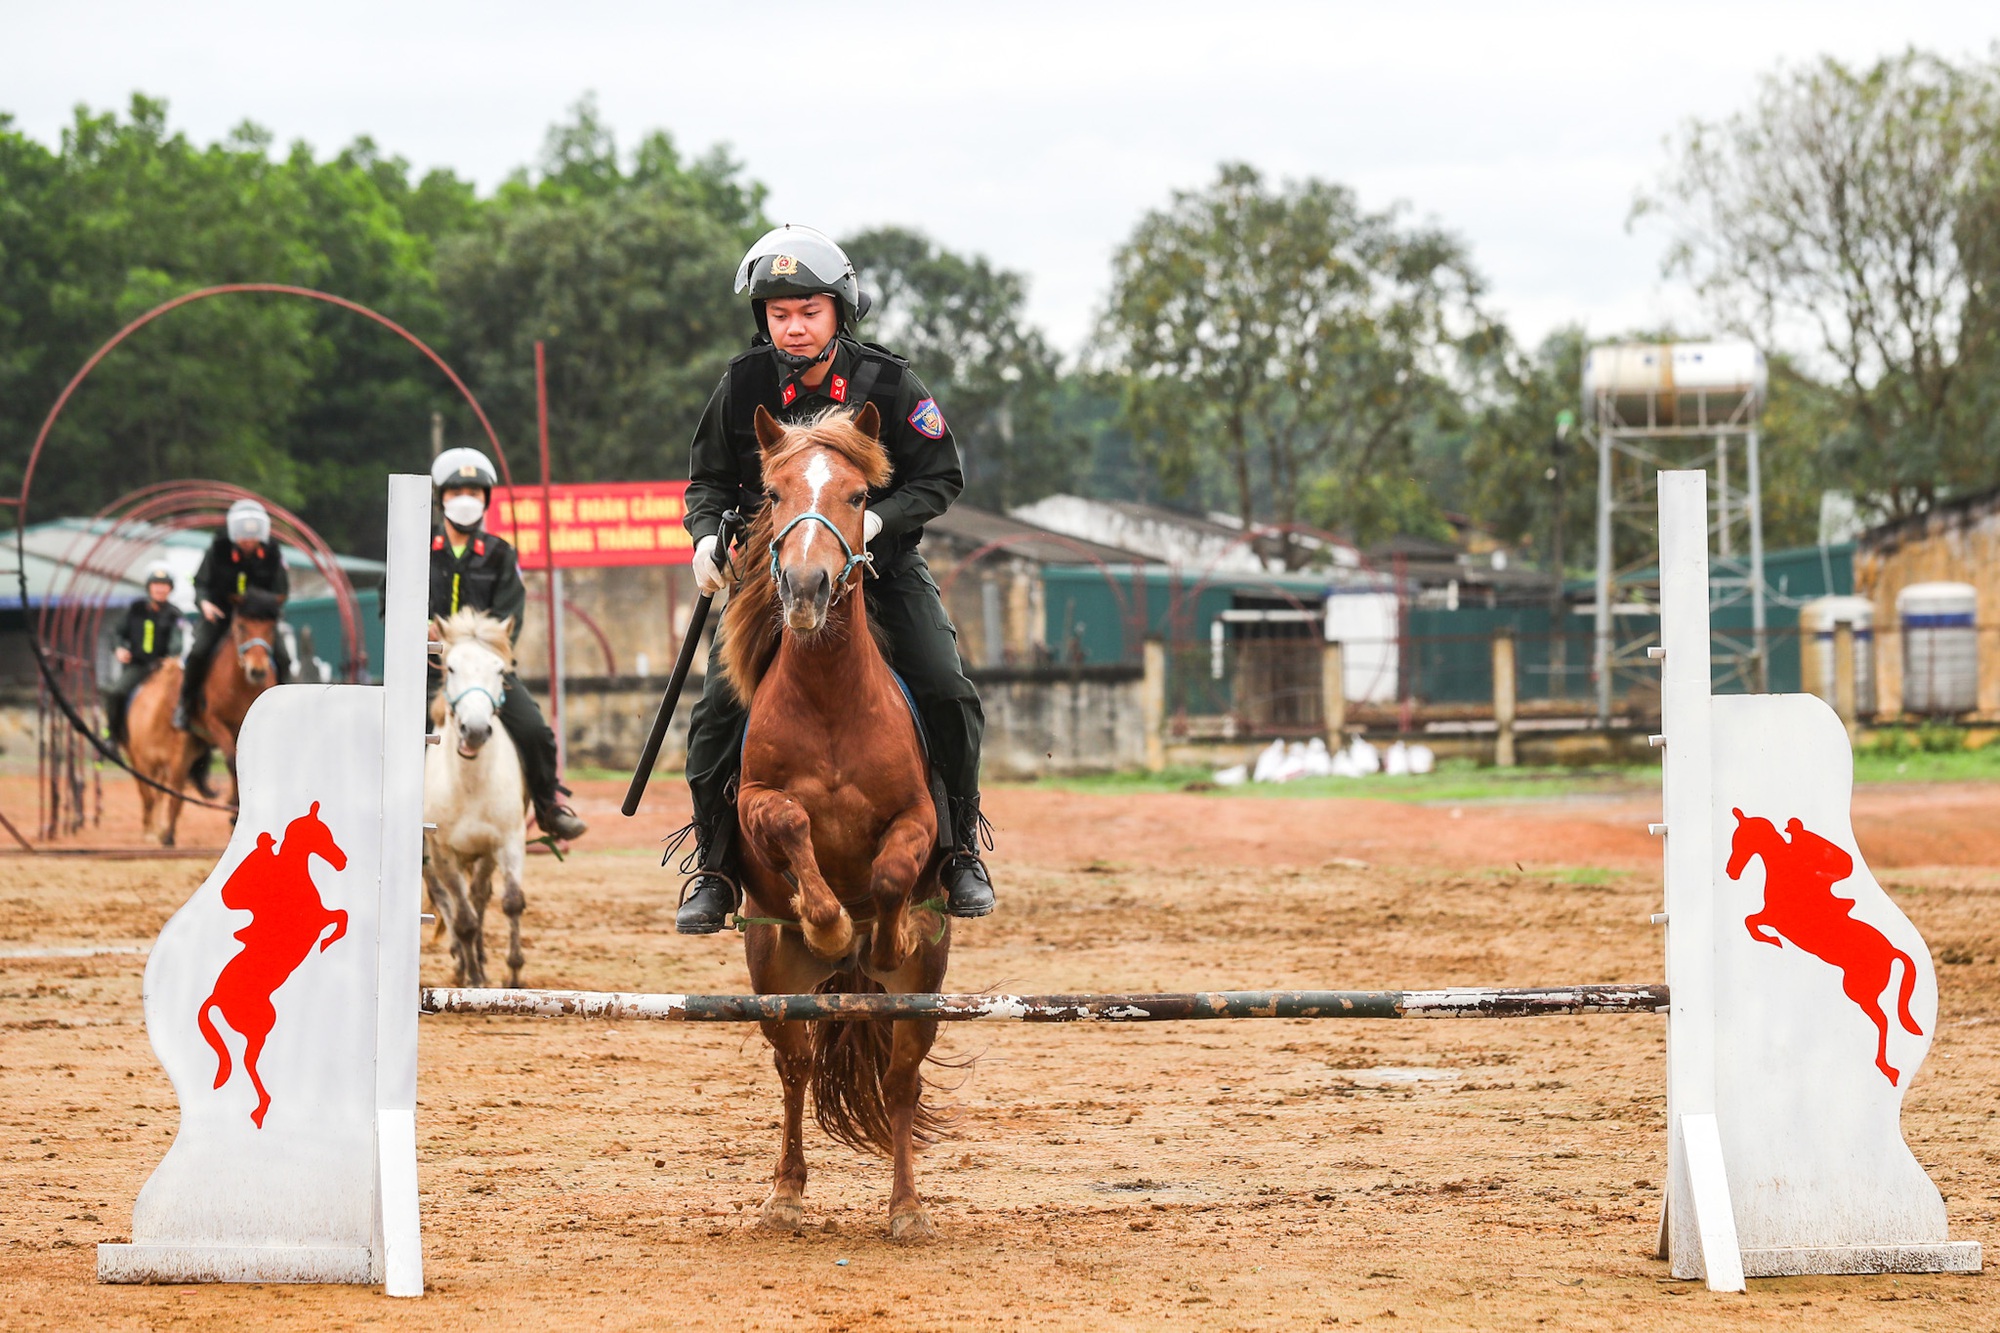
(805, 360)
(472, 570)
(244, 555)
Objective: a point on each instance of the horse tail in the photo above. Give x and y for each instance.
(214, 1039)
(1903, 994)
(849, 1059)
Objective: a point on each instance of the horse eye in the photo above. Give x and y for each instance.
(858, 500)
(770, 495)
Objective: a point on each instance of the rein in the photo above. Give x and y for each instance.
(853, 558)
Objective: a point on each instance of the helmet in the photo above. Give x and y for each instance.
(249, 521)
(800, 261)
(158, 573)
(463, 467)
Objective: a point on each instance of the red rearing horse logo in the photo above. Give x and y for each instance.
(1800, 906)
(287, 920)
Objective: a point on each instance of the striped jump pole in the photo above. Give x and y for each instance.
(1455, 1002)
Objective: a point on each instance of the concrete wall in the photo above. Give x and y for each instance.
(1038, 721)
(1062, 720)
(1956, 543)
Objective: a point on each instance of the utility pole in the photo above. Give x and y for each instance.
(437, 434)
(1558, 603)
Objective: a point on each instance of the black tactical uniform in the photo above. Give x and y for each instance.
(485, 575)
(227, 572)
(149, 633)
(903, 598)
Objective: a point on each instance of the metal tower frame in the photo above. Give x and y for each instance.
(1638, 435)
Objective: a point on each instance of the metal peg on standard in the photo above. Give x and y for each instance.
(426, 919)
(1656, 829)
(433, 739)
(1658, 918)
(1657, 654)
(1657, 742)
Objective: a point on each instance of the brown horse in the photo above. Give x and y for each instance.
(243, 668)
(838, 829)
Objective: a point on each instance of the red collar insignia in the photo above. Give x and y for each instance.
(785, 398)
(479, 546)
(837, 389)
(437, 542)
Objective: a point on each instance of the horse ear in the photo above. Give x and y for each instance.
(769, 432)
(868, 421)
(314, 812)
(508, 626)
(1738, 813)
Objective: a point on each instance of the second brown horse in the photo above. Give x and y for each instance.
(243, 668)
(839, 831)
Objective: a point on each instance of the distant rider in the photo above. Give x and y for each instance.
(244, 555)
(804, 360)
(471, 569)
(147, 636)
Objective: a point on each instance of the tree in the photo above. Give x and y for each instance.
(1850, 215)
(961, 324)
(306, 403)
(626, 276)
(1292, 342)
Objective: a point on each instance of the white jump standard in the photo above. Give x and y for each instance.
(1802, 1000)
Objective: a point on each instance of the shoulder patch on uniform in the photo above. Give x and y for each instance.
(927, 421)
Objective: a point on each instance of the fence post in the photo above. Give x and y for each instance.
(1153, 705)
(1503, 698)
(1843, 675)
(1333, 694)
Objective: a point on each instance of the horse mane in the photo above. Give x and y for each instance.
(476, 627)
(751, 625)
(258, 604)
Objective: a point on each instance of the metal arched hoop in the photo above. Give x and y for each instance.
(20, 502)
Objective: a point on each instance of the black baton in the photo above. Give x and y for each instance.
(724, 539)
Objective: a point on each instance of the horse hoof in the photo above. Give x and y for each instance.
(782, 1214)
(834, 941)
(911, 1224)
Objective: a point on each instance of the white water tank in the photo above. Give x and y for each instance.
(1817, 621)
(1675, 383)
(1940, 648)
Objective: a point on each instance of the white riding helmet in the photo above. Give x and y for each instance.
(249, 522)
(463, 467)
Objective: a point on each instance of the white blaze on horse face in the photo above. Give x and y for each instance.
(818, 474)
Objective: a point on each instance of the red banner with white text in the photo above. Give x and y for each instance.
(592, 524)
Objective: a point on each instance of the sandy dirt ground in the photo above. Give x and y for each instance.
(1245, 1175)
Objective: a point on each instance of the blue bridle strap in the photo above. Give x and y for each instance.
(451, 700)
(854, 558)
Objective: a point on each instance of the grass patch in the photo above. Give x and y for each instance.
(1887, 764)
(1454, 780)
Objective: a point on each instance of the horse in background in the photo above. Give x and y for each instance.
(839, 832)
(242, 668)
(1800, 906)
(475, 795)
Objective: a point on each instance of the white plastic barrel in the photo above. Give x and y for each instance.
(1817, 621)
(1940, 648)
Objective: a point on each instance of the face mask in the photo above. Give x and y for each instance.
(464, 510)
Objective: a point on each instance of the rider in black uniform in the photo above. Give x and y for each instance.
(471, 569)
(146, 637)
(244, 555)
(805, 360)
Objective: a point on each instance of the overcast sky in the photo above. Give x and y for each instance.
(1034, 133)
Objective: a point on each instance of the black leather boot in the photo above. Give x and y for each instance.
(968, 888)
(709, 895)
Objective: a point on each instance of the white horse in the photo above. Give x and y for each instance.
(475, 796)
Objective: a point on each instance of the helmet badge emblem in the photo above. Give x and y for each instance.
(784, 264)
